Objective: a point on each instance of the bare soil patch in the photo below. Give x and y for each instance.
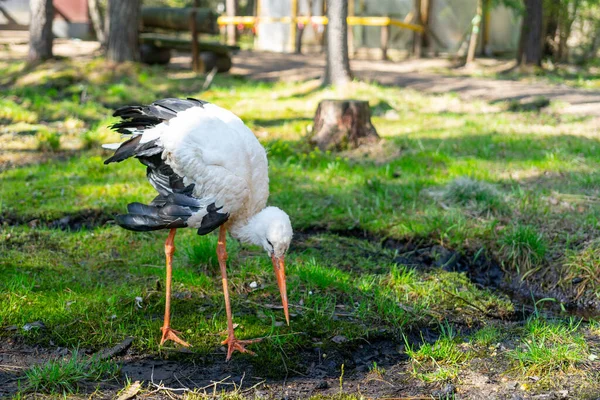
(318, 373)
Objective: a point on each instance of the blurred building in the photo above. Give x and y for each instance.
(449, 22)
(71, 17)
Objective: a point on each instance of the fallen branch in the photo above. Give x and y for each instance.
(116, 350)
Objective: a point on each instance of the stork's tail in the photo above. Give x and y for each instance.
(169, 212)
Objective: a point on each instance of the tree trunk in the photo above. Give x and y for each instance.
(337, 71)
(530, 52)
(40, 30)
(97, 21)
(123, 30)
(474, 33)
(342, 125)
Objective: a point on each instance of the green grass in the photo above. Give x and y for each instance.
(487, 336)
(518, 186)
(48, 141)
(550, 346)
(64, 376)
(441, 360)
(474, 195)
(523, 248)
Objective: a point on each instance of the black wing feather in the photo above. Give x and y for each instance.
(174, 203)
(168, 213)
(212, 220)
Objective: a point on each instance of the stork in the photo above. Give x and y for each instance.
(210, 172)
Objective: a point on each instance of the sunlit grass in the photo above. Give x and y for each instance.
(530, 200)
(550, 346)
(487, 336)
(439, 361)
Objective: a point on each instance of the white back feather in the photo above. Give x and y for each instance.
(212, 148)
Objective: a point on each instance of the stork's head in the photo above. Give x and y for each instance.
(271, 228)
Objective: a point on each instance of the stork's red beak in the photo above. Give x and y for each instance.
(279, 267)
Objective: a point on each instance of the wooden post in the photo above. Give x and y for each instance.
(485, 34)
(363, 31)
(425, 13)
(385, 39)
(417, 38)
(350, 29)
(231, 11)
(197, 66)
(309, 23)
(293, 25)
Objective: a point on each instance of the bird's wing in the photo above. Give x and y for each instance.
(185, 142)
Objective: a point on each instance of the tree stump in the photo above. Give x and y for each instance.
(343, 125)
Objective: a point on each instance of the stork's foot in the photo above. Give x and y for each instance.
(234, 344)
(171, 334)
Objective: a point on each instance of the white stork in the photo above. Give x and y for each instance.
(209, 171)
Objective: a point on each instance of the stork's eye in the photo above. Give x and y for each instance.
(271, 244)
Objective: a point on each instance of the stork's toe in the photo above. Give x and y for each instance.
(171, 334)
(234, 344)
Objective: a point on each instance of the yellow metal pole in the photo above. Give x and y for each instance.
(293, 26)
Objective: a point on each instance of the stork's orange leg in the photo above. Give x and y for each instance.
(232, 342)
(167, 332)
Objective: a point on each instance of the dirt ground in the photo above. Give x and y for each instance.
(179, 373)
